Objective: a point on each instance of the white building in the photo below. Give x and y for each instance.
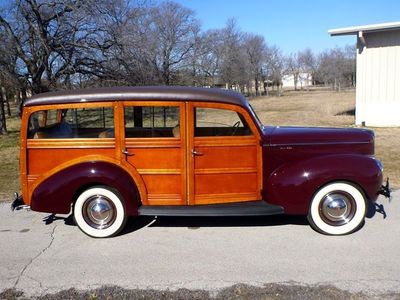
(378, 73)
(304, 80)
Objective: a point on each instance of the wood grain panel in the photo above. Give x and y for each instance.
(223, 141)
(71, 143)
(159, 171)
(155, 158)
(226, 183)
(165, 199)
(151, 143)
(163, 188)
(225, 171)
(225, 198)
(43, 160)
(226, 157)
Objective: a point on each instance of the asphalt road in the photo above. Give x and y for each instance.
(40, 257)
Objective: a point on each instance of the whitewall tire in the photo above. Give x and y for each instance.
(338, 208)
(99, 212)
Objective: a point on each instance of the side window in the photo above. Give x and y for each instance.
(219, 122)
(91, 122)
(72, 123)
(151, 121)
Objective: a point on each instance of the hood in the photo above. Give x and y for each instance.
(279, 136)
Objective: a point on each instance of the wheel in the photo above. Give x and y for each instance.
(99, 212)
(337, 208)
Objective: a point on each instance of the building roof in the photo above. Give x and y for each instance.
(365, 28)
(159, 93)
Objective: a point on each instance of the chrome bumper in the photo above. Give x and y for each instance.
(18, 202)
(385, 190)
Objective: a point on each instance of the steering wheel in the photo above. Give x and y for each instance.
(235, 127)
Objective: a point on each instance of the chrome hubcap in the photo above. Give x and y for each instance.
(99, 212)
(337, 208)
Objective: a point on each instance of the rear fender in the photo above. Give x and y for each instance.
(292, 186)
(56, 193)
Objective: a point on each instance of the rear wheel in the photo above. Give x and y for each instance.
(99, 212)
(337, 208)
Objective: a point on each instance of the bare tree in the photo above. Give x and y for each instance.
(307, 65)
(232, 54)
(255, 48)
(54, 40)
(336, 67)
(130, 58)
(174, 30)
(273, 68)
(209, 59)
(292, 68)
(32, 29)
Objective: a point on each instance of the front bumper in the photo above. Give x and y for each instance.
(385, 190)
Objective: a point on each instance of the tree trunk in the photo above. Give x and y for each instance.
(3, 126)
(6, 101)
(256, 85)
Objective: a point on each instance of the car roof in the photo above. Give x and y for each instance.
(155, 93)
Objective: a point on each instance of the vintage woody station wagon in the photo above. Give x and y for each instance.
(112, 153)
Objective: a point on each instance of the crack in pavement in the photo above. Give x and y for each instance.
(36, 257)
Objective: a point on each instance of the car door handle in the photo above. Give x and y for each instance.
(127, 153)
(196, 153)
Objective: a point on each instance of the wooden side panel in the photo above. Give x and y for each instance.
(161, 161)
(43, 160)
(162, 172)
(224, 168)
(224, 156)
(222, 175)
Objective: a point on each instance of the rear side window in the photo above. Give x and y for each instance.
(72, 123)
(152, 121)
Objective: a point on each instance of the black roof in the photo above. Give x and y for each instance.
(159, 93)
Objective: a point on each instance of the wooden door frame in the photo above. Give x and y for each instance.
(156, 142)
(190, 142)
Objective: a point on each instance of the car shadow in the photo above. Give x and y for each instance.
(193, 223)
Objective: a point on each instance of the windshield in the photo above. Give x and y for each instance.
(255, 115)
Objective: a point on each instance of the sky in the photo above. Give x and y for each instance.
(295, 25)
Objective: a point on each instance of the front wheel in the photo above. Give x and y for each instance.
(99, 212)
(337, 208)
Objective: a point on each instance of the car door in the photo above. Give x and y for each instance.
(224, 154)
(154, 144)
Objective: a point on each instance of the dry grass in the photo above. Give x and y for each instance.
(325, 108)
(314, 108)
(9, 158)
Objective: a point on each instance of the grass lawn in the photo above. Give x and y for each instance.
(9, 158)
(314, 108)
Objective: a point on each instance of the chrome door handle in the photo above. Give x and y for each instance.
(196, 153)
(127, 153)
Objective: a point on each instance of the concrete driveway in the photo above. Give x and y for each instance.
(39, 256)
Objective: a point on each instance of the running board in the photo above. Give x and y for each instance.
(251, 208)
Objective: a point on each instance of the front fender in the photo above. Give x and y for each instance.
(293, 185)
(56, 193)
